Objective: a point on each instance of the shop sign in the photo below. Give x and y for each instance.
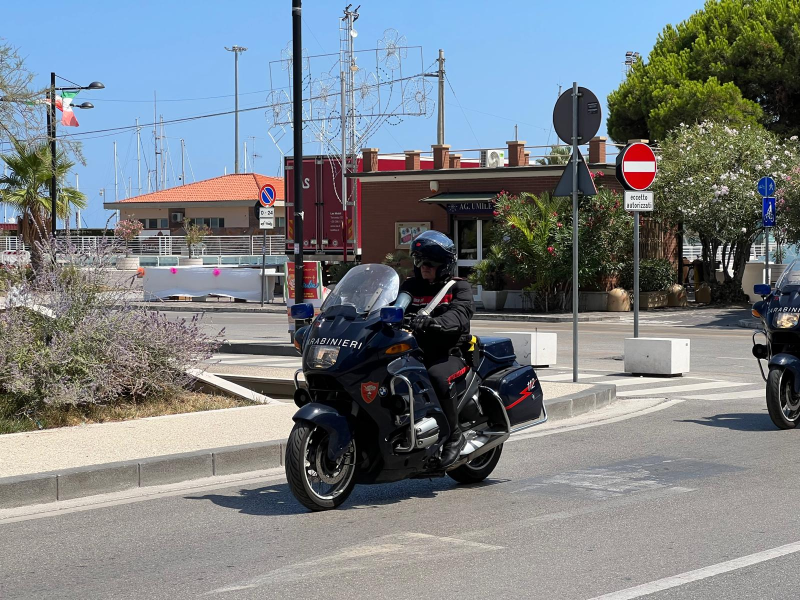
(460, 208)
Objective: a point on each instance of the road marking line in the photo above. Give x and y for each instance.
(568, 376)
(700, 574)
(744, 394)
(647, 380)
(681, 388)
(261, 361)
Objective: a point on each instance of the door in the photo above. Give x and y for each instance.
(470, 246)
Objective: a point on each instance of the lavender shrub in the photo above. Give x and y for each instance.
(72, 336)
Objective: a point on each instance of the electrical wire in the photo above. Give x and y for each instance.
(462, 110)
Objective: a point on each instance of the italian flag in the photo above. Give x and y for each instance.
(63, 103)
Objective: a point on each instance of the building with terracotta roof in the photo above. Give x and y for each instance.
(223, 203)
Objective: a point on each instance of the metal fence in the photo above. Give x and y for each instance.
(757, 251)
(170, 245)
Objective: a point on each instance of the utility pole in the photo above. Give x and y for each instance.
(138, 158)
(245, 157)
(440, 122)
(297, 102)
(78, 216)
(116, 188)
(183, 170)
(236, 51)
(51, 123)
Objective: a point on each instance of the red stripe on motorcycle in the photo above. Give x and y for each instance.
(457, 374)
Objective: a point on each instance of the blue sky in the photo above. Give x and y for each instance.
(504, 60)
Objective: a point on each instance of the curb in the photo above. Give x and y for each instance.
(199, 307)
(537, 318)
(68, 484)
(41, 488)
(751, 324)
(259, 348)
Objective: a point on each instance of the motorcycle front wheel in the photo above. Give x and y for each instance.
(317, 482)
(478, 469)
(782, 403)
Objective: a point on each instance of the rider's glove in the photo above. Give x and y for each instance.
(424, 323)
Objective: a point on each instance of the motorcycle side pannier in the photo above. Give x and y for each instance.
(520, 391)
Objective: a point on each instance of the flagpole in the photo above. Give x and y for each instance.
(51, 112)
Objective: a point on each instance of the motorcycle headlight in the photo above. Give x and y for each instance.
(786, 320)
(322, 357)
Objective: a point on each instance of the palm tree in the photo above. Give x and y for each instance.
(559, 155)
(27, 188)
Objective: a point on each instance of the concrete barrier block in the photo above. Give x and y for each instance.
(28, 489)
(248, 457)
(97, 479)
(657, 356)
(535, 348)
(176, 468)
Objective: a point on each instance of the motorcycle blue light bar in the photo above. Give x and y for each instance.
(302, 311)
(762, 289)
(392, 314)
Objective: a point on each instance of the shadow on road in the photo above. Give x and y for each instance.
(275, 500)
(736, 421)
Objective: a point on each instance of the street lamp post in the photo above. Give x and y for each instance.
(51, 133)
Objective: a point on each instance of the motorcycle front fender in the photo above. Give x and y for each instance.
(790, 363)
(332, 421)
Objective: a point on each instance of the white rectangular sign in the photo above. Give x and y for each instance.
(266, 213)
(639, 201)
(266, 223)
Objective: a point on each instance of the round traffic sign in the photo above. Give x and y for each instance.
(267, 195)
(636, 166)
(766, 186)
(589, 116)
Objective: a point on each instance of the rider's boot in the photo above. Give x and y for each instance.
(453, 447)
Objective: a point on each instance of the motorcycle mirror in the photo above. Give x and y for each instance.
(762, 289)
(392, 314)
(302, 311)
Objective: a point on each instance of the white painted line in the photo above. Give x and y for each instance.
(747, 358)
(260, 361)
(745, 394)
(625, 381)
(699, 574)
(639, 166)
(680, 388)
(568, 377)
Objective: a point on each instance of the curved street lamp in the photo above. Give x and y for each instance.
(51, 132)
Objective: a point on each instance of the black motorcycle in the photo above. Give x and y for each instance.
(368, 412)
(779, 311)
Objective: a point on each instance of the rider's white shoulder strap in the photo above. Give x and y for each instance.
(437, 298)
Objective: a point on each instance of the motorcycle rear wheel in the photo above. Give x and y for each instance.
(782, 403)
(478, 469)
(316, 482)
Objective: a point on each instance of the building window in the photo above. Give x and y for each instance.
(217, 222)
(280, 222)
(143, 222)
(152, 223)
(164, 223)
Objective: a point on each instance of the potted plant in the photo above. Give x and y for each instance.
(488, 273)
(195, 234)
(655, 277)
(128, 230)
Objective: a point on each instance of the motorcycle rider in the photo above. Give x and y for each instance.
(443, 334)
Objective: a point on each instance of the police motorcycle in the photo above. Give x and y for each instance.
(368, 413)
(779, 311)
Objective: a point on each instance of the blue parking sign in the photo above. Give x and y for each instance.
(768, 213)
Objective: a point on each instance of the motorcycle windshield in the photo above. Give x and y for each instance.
(367, 288)
(790, 277)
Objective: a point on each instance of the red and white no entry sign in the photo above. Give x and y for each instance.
(636, 166)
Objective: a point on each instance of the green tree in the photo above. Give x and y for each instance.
(19, 116)
(27, 188)
(559, 155)
(735, 61)
(707, 180)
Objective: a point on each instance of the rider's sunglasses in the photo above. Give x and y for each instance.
(423, 262)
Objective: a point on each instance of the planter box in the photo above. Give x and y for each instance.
(128, 263)
(657, 356)
(677, 296)
(592, 301)
(493, 300)
(648, 300)
(536, 349)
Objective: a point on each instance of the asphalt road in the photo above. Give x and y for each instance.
(676, 497)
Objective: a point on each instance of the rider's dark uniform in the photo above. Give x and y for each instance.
(443, 337)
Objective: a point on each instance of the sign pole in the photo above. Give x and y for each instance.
(263, 267)
(636, 273)
(766, 256)
(297, 104)
(575, 231)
